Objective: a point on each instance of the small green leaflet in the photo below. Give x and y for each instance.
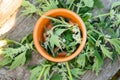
(19, 60)
(54, 40)
(98, 62)
(81, 60)
(68, 1)
(56, 77)
(106, 52)
(29, 8)
(96, 66)
(115, 4)
(10, 52)
(35, 73)
(60, 31)
(5, 61)
(77, 72)
(46, 73)
(68, 36)
(27, 39)
(98, 4)
(116, 44)
(51, 4)
(88, 3)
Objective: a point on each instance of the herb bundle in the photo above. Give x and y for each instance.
(62, 37)
(103, 40)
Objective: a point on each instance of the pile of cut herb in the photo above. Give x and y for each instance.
(103, 41)
(61, 37)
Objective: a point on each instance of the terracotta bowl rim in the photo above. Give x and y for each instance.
(37, 31)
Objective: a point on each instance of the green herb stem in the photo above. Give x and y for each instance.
(68, 69)
(71, 4)
(92, 37)
(12, 41)
(107, 14)
(41, 73)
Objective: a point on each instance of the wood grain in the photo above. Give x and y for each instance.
(108, 70)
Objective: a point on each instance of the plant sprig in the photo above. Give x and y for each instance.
(15, 53)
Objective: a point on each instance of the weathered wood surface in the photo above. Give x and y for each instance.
(25, 25)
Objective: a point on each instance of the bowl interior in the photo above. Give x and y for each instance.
(39, 30)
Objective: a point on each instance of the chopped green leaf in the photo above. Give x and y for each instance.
(88, 3)
(56, 77)
(19, 61)
(60, 31)
(35, 73)
(5, 61)
(77, 72)
(116, 44)
(81, 60)
(98, 62)
(106, 52)
(115, 4)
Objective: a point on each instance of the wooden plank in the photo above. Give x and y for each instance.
(23, 26)
(108, 70)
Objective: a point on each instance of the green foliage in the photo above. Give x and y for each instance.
(19, 60)
(29, 8)
(98, 62)
(62, 36)
(56, 77)
(98, 4)
(106, 52)
(88, 3)
(77, 72)
(5, 61)
(35, 73)
(42, 6)
(81, 60)
(103, 40)
(17, 55)
(116, 44)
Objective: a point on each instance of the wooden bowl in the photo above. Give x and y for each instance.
(39, 30)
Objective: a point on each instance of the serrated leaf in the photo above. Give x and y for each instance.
(5, 61)
(96, 66)
(68, 36)
(81, 60)
(35, 73)
(115, 4)
(54, 40)
(98, 4)
(56, 77)
(46, 73)
(77, 72)
(88, 3)
(27, 39)
(60, 31)
(19, 60)
(29, 8)
(51, 4)
(98, 62)
(10, 52)
(106, 52)
(116, 44)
